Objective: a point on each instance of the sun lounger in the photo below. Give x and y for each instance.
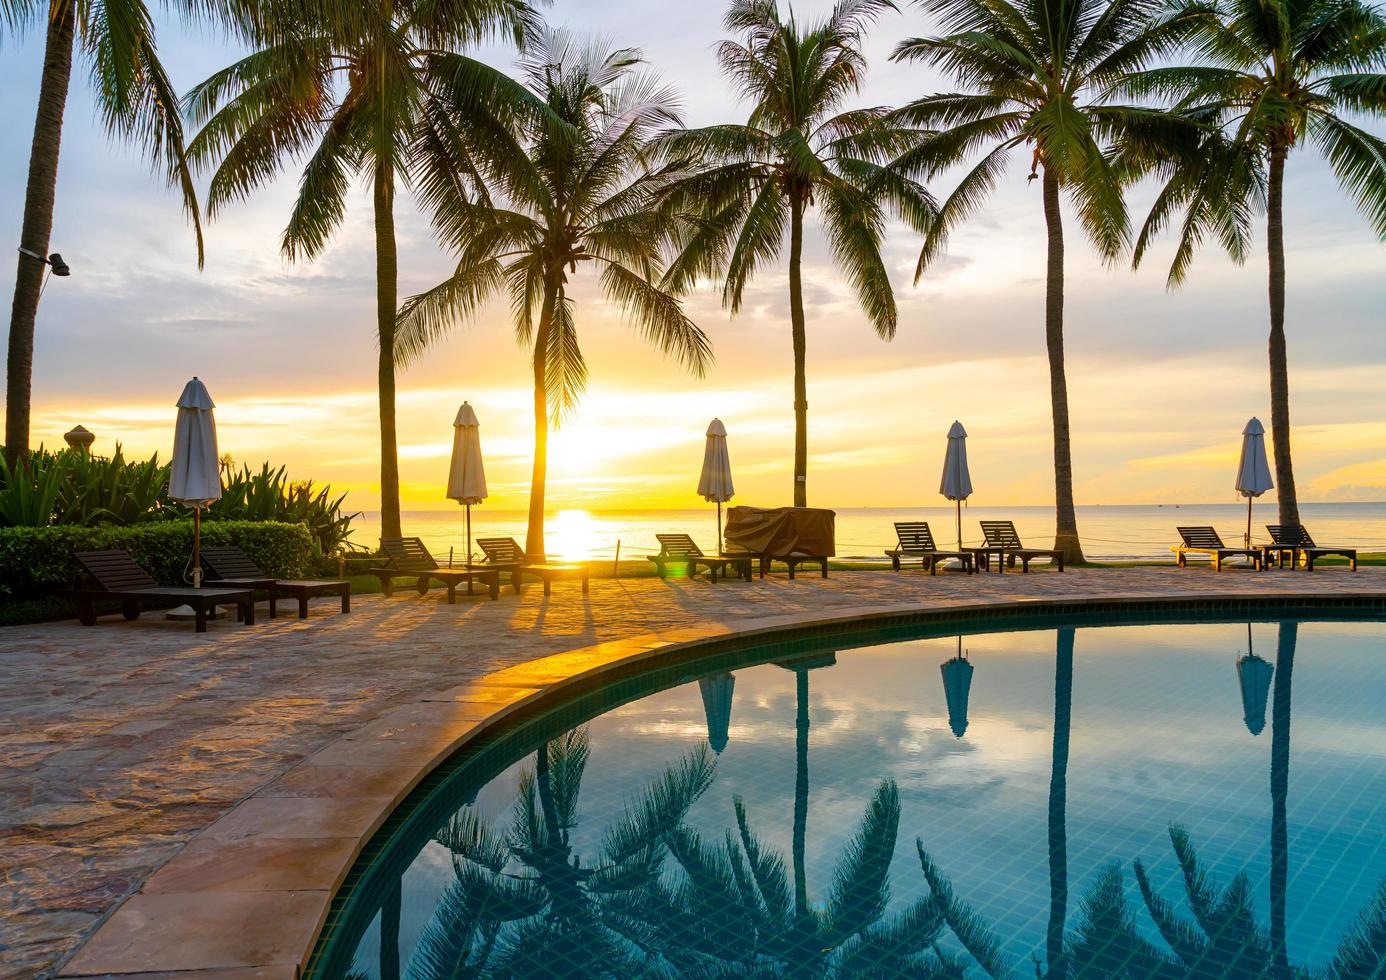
(408, 558)
(1293, 538)
(119, 578)
(1206, 541)
(506, 555)
(1003, 542)
(229, 567)
(915, 540)
(680, 549)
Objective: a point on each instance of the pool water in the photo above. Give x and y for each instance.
(1200, 800)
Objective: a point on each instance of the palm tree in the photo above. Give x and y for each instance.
(526, 902)
(1271, 76)
(361, 90)
(1036, 75)
(798, 149)
(136, 102)
(576, 188)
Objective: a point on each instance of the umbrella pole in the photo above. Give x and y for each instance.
(197, 548)
(466, 562)
(1248, 522)
(958, 504)
(719, 527)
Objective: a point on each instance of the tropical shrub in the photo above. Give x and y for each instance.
(72, 488)
(36, 561)
(270, 496)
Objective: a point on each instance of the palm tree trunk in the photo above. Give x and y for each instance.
(1279, 366)
(1065, 520)
(534, 535)
(796, 323)
(1280, 781)
(386, 301)
(1057, 966)
(37, 227)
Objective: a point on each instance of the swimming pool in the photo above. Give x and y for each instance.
(1196, 799)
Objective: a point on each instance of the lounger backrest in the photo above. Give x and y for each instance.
(914, 536)
(1001, 534)
(502, 551)
(115, 570)
(1293, 535)
(678, 546)
(231, 562)
(407, 554)
(1200, 537)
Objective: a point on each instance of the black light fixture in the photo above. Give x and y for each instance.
(54, 261)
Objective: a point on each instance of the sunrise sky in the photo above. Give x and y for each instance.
(1160, 383)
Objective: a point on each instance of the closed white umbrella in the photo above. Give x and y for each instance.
(715, 483)
(195, 472)
(1253, 471)
(467, 476)
(956, 484)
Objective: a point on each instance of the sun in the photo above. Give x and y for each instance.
(573, 536)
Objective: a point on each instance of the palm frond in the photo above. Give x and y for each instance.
(659, 316)
(861, 879)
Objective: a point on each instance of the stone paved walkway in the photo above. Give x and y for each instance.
(119, 743)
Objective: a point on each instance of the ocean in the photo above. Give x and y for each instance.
(1124, 532)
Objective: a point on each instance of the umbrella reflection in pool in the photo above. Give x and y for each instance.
(717, 691)
(957, 681)
(1254, 675)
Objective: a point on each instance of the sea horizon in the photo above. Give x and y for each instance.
(1109, 532)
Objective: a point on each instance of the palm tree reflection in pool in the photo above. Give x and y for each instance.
(523, 903)
(1222, 941)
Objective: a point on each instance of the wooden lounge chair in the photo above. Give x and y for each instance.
(1296, 540)
(229, 567)
(680, 549)
(119, 578)
(506, 555)
(1206, 541)
(915, 540)
(408, 558)
(1003, 542)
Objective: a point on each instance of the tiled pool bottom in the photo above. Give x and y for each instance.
(910, 812)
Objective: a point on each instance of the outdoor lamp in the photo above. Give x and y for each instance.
(54, 261)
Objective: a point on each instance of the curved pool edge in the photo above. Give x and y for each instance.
(248, 897)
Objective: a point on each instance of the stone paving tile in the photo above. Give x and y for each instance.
(121, 742)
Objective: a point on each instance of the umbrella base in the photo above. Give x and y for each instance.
(185, 614)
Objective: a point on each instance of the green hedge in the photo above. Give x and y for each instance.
(35, 561)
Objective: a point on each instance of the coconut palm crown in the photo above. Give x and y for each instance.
(576, 189)
(1036, 77)
(1268, 77)
(799, 149)
(356, 90)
